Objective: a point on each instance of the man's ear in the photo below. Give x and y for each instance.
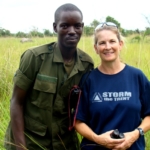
(54, 27)
(82, 25)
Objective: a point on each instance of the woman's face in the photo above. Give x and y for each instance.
(108, 46)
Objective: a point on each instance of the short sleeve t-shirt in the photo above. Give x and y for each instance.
(116, 101)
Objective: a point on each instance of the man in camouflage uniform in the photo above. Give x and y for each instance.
(39, 103)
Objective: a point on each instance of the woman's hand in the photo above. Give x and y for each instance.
(130, 138)
(106, 140)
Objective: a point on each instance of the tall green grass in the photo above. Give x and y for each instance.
(135, 54)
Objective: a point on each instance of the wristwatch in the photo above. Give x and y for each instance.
(140, 131)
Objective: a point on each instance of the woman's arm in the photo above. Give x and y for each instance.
(131, 137)
(145, 125)
(103, 139)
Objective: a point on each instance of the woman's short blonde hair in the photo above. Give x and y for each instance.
(110, 28)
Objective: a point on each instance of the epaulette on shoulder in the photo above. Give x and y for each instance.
(46, 48)
(84, 56)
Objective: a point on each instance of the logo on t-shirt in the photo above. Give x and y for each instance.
(111, 96)
(97, 97)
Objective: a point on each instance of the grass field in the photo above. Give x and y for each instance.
(135, 54)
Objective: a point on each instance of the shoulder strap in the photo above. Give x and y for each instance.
(73, 102)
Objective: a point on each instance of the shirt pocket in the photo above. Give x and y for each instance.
(43, 92)
(45, 83)
(35, 126)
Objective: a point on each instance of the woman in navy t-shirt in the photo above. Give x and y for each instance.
(114, 96)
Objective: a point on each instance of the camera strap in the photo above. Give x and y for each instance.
(73, 102)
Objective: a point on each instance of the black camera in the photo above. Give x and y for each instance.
(116, 134)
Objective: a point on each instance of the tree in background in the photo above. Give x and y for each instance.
(4, 32)
(47, 32)
(95, 23)
(21, 34)
(147, 30)
(88, 30)
(110, 19)
(34, 32)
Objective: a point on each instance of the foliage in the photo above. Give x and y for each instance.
(147, 31)
(136, 54)
(95, 23)
(4, 32)
(47, 32)
(111, 19)
(21, 34)
(88, 31)
(34, 33)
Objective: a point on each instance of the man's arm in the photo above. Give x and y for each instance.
(16, 114)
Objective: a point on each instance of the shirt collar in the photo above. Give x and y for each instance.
(58, 58)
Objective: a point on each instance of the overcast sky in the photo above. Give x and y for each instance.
(24, 15)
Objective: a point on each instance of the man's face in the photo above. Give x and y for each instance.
(69, 29)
